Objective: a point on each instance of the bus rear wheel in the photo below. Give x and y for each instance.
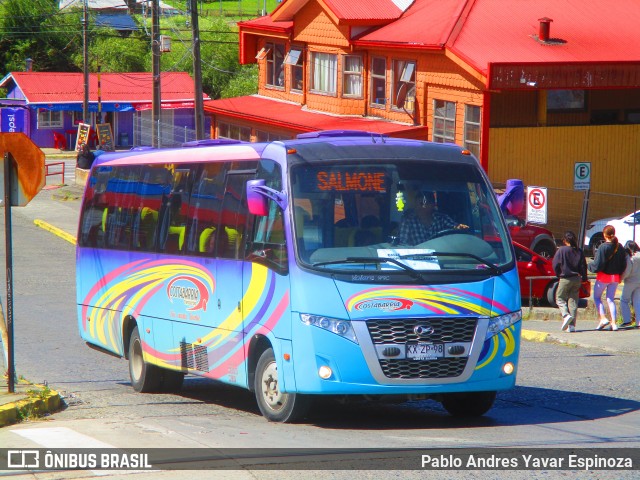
(145, 378)
(275, 405)
(468, 404)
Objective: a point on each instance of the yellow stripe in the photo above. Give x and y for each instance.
(495, 342)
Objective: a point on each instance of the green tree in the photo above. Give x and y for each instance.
(35, 29)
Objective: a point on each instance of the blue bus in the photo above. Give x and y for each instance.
(338, 263)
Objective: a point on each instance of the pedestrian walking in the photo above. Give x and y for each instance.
(571, 268)
(609, 263)
(631, 289)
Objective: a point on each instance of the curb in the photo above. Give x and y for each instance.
(56, 231)
(15, 411)
(534, 336)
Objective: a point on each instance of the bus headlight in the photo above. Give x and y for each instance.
(333, 325)
(498, 324)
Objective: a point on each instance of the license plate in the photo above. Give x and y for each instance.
(425, 351)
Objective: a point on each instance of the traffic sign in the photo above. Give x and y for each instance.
(537, 204)
(582, 176)
(28, 176)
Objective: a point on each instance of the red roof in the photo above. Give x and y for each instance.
(588, 31)
(55, 87)
(347, 11)
(505, 31)
(276, 113)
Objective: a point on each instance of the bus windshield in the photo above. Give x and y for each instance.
(397, 215)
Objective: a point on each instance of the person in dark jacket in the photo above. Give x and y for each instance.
(609, 263)
(571, 268)
(85, 157)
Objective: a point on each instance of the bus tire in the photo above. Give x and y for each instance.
(145, 378)
(171, 381)
(275, 405)
(468, 404)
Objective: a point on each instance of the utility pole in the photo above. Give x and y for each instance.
(85, 54)
(197, 72)
(155, 72)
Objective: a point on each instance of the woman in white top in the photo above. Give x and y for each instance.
(631, 289)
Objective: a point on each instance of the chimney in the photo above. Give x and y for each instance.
(28, 65)
(543, 33)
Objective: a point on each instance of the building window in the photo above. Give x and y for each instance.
(295, 60)
(262, 136)
(49, 119)
(404, 85)
(324, 72)
(275, 65)
(379, 81)
(234, 132)
(444, 121)
(352, 76)
(472, 129)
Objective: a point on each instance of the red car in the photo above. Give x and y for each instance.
(535, 237)
(530, 264)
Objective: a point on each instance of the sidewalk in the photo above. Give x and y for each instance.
(57, 210)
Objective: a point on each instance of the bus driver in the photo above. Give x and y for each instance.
(423, 221)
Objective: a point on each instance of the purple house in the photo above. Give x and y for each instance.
(48, 106)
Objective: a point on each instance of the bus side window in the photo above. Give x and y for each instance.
(173, 213)
(204, 209)
(230, 235)
(154, 183)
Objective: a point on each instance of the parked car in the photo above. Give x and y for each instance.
(535, 237)
(627, 228)
(530, 264)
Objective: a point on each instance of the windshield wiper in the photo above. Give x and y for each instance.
(423, 256)
(412, 272)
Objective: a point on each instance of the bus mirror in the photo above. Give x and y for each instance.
(256, 200)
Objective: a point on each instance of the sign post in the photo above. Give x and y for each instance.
(537, 205)
(582, 176)
(23, 177)
(582, 181)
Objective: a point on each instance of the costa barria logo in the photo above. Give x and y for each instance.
(384, 304)
(190, 290)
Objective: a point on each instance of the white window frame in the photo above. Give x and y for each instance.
(46, 120)
(234, 131)
(352, 79)
(274, 73)
(472, 145)
(295, 60)
(446, 133)
(404, 72)
(376, 78)
(324, 73)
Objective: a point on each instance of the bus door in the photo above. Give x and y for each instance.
(227, 352)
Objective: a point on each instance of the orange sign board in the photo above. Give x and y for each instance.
(28, 168)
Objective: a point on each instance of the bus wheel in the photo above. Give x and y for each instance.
(171, 381)
(275, 405)
(144, 377)
(468, 404)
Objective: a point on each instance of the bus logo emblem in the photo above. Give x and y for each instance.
(190, 290)
(423, 330)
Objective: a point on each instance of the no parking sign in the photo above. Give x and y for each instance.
(537, 204)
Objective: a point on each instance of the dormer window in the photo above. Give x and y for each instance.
(404, 86)
(324, 72)
(295, 61)
(352, 76)
(275, 65)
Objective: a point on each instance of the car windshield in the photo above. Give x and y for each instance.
(403, 216)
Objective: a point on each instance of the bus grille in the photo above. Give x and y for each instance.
(408, 369)
(446, 330)
(194, 357)
(402, 331)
